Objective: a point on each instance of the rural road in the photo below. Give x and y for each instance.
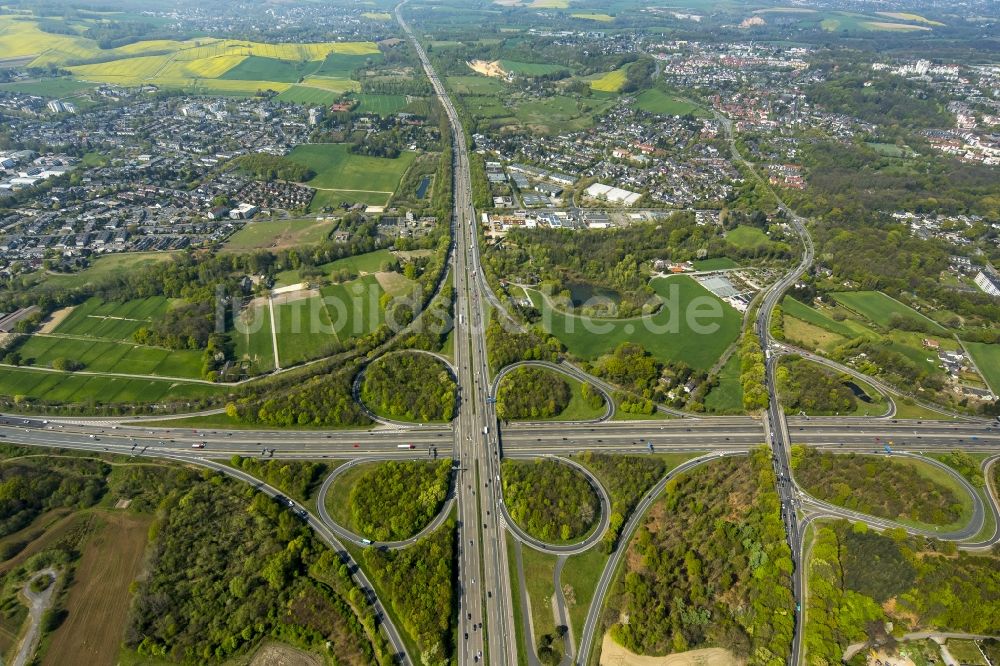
(38, 603)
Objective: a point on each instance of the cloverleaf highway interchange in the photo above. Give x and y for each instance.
(814, 480)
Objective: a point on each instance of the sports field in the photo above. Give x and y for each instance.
(340, 171)
(658, 102)
(668, 335)
(118, 356)
(63, 387)
(109, 320)
(877, 307)
(383, 105)
(252, 341)
(99, 335)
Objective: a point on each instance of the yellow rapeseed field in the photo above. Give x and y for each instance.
(170, 63)
(610, 82)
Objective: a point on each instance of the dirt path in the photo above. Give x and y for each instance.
(54, 319)
(613, 654)
(38, 603)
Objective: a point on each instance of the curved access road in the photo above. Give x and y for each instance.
(321, 530)
(585, 644)
(884, 388)
(360, 375)
(562, 549)
(971, 529)
(571, 372)
(348, 535)
(784, 350)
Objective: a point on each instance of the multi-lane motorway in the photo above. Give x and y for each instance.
(486, 630)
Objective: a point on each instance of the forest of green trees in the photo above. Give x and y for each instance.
(930, 584)
(296, 478)
(506, 346)
(534, 393)
(710, 566)
(876, 485)
(549, 500)
(28, 488)
(229, 567)
(804, 386)
(323, 400)
(420, 583)
(626, 479)
(394, 500)
(410, 387)
(264, 166)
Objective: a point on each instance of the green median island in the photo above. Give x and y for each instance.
(541, 394)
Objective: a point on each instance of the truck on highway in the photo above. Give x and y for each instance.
(198, 445)
(406, 446)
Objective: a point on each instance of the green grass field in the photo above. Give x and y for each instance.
(987, 358)
(474, 85)
(108, 265)
(370, 262)
(667, 335)
(112, 356)
(594, 16)
(747, 237)
(70, 388)
(109, 320)
(353, 307)
(60, 87)
(716, 264)
(877, 307)
(257, 68)
(342, 65)
(339, 170)
(383, 105)
(278, 233)
(800, 310)
(308, 96)
(727, 397)
(252, 339)
(304, 330)
(658, 102)
(529, 68)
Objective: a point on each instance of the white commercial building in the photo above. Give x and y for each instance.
(613, 194)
